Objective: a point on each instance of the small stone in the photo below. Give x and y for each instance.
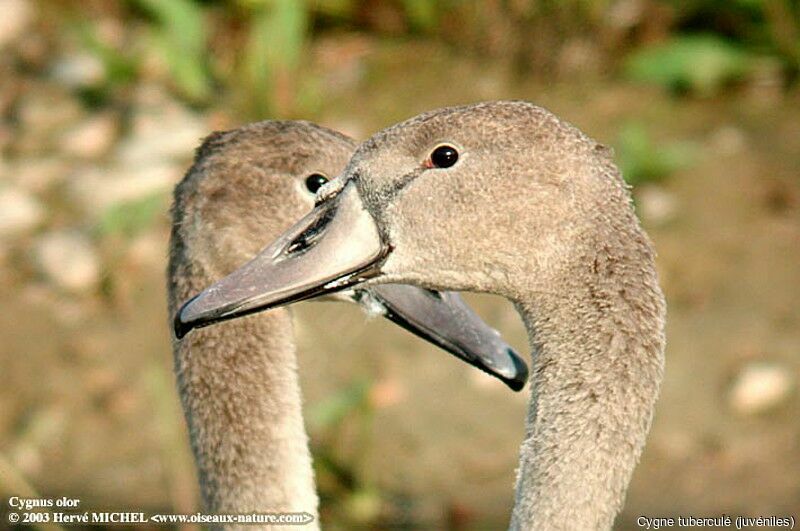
(68, 260)
(162, 132)
(92, 138)
(96, 189)
(17, 16)
(79, 71)
(656, 205)
(19, 212)
(760, 387)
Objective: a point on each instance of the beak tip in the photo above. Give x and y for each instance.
(181, 325)
(520, 378)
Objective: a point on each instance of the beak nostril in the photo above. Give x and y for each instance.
(433, 293)
(300, 244)
(306, 239)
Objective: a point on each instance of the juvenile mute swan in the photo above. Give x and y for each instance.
(238, 381)
(506, 198)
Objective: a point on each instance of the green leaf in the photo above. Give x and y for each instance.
(277, 37)
(334, 409)
(641, 160)
(119, 68)
(699, 63)
(181, 38)
(131, 218)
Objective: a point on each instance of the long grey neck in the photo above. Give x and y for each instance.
(241, 396)
(597, 366)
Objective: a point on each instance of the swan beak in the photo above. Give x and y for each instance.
(335, 247)
(444, 319)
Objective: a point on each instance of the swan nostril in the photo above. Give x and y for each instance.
(433, 293)
(307, 238)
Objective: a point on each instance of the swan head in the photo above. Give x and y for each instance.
(485, 197)
(247, 186)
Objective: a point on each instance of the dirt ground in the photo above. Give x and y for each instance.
(88, 407)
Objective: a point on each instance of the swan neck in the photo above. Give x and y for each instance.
(241, 397)
(596, 369)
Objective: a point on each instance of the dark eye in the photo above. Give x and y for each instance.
(314, 182)
(444, 157)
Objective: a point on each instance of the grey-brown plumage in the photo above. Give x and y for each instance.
(238, 380)
(532, 210)
(536, 211)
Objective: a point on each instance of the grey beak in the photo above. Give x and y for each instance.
(444, 319)
(335, 247)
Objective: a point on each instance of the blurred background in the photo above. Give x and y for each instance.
(103, 101)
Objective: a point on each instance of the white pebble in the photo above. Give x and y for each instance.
(162, 133)
(96, 189)
(16, 16)
(657, 205)
(91, 138)
(760, 387)
(68, 260)
(19, 212)
(79, 70)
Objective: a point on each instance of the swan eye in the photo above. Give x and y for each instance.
(315, 181)
(443, 157)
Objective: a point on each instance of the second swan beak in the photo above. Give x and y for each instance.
(333, 247)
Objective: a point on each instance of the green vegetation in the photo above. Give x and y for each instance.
(252, 50)
(332, 411)
(346, 492)
(701, 64)
(272, 55)
(180, 36)
(226, 62)
(131, 218)
(641, 159)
